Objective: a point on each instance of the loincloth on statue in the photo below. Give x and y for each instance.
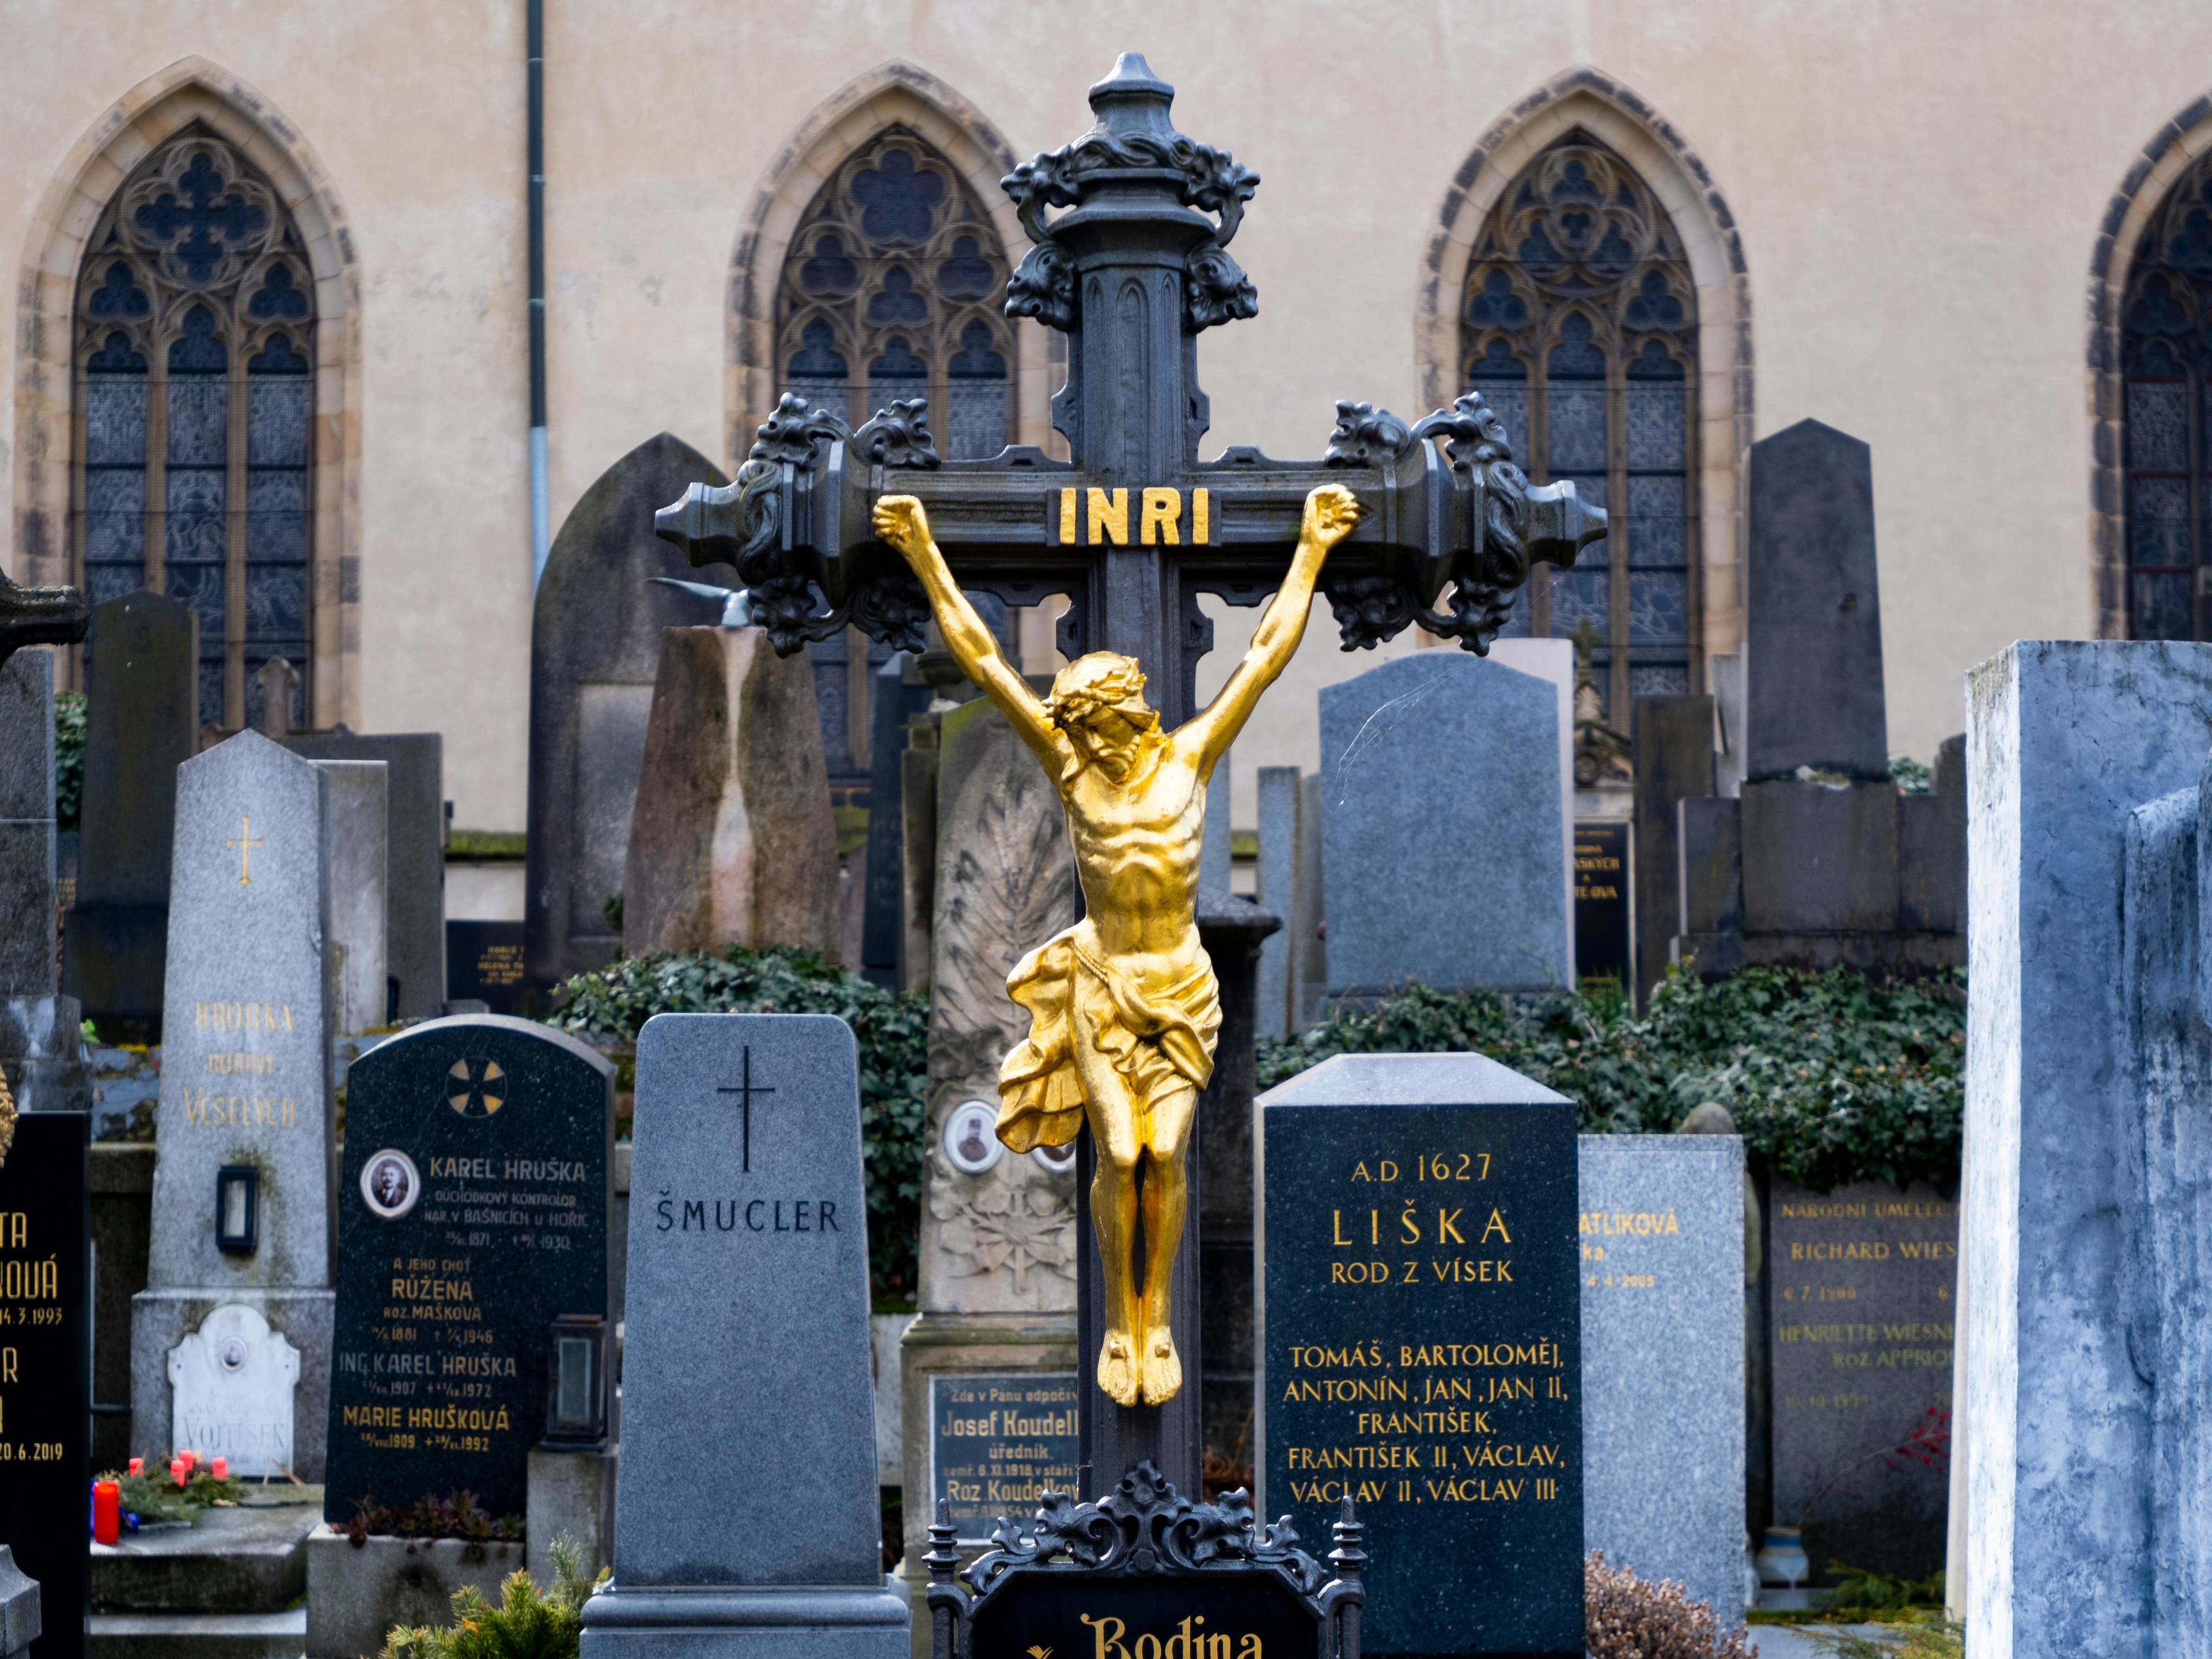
(1158, 1032)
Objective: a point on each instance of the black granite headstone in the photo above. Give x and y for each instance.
(1674, 749)
(141, 722)
(472, 1210)
(1813, 612)
(1601, 902)
(483, 963)
(45, 1361)
(1421, 1343)
(594, 650)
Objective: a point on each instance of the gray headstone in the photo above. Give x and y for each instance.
(1725, 671)
(594, 649)
(1673, 747)
(892, 702)
(1281, 801)
(1864, 1309)
(141, 722)
(1434, 767)
(355, 818)
(1217, 863)
(415, 854)
(746, 1368)
(1931, 849)
(1308, 922)
(273, 699)
(732, 842)
(246, 1079)
(1663, 1265)
(1711, 832)
(1813, 615)
(2064, 739)
(26, 825)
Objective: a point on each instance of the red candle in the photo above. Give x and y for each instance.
(177, 1467)
(219, 1468)
(106, 1511)
(137, 1466)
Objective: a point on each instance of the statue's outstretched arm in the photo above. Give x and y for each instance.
(901, 521)
(1331, 512)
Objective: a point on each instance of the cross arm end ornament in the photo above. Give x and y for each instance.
(40, 615)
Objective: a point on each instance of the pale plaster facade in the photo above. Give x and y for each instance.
(1907, 221)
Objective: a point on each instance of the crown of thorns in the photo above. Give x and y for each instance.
(1089, 683)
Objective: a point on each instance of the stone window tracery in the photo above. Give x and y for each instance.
(894, 287)
(195, 403)
(1578, 323)
(2166, 358)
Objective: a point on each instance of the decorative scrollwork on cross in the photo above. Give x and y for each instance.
(1146, 1526)
(1371, 609)
(897, 436)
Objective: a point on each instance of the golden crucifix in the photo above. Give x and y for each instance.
(1122, 1006)
(246, 841)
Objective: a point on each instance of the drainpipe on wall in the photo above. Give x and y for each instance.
(541, 512)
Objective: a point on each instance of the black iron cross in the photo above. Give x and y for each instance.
(1136, 527)
(744, 1092)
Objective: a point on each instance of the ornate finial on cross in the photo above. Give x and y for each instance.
(1586, 640)
(246, 841)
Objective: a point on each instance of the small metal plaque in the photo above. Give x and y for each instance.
(1249, 1613)
(998, 1443)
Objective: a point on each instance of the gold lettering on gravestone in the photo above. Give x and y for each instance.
(246, 841)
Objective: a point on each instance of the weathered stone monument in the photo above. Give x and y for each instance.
(141, 722)
(1673, 739)
(1821, 861)
(355, 817)
(732, 842)
(1662, 1359)
(231, 1338)
(39, 1053)
(999, 1244)
(415, 853)
(2081, 1378)
(893, 702)
(748, 1264)
(1421, 1342)
(594, 651)
(1433, 765)
(472, 1211)
(1131, 532)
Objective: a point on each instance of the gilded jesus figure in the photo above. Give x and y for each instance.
(1122, 1006)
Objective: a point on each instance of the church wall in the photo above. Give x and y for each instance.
(1917, 190)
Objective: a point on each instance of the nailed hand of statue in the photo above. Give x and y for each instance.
(1331, 512)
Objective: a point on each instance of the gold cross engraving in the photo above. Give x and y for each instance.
(246, 841)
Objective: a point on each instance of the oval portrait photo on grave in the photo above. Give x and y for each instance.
(971, 1142)
(1055, 1160)
(390, 1184)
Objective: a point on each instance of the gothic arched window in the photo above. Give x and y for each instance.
(1579, 325)
(895, 287)
(2167, 355)
(195, 331)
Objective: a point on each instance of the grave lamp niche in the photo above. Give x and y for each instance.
(238, 1209)
(576, 1383)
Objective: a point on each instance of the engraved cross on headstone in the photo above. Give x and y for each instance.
(1135, 527)
(744, 1091)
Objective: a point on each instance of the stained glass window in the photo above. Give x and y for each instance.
(2167, 356)
(1578, 324)
(894, 288)
(194, 339)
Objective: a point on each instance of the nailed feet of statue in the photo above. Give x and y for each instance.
(1118, 1379)
(1163, 1366)
(1154, 1381)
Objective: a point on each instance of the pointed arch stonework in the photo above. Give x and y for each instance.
(193, 91)
(2171, 151)
(893, 94)
(1582, 99)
